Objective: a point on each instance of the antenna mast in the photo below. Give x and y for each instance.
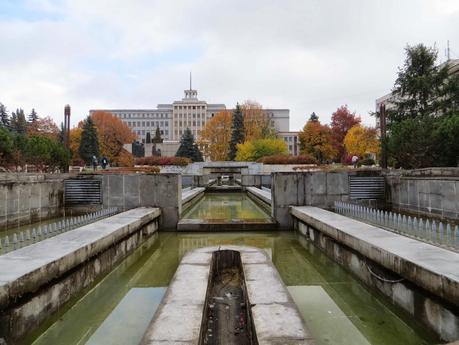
(190, 81)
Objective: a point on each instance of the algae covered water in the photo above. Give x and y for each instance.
(336, 307)
(226, 206)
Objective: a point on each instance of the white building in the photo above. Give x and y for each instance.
(292, 140)
(189, 112)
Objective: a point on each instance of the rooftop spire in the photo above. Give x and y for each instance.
(190, 81)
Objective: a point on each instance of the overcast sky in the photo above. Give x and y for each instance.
(305, 55)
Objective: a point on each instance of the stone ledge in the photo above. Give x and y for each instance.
(432, 268)
(275, 322)
(27, 269)
(261, 194)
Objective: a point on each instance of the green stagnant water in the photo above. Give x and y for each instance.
(226, 207)
(337, 308)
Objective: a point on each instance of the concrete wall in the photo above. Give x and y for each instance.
(433, 195)
(62, 266)
(258, 180)
(128, 191)
(316, 188)
(26, 198)
(431, 311)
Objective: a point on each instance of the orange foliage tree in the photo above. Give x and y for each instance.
(317, 140)
(361, 140)
(113, 134)
(342, 121)
(74, 144)
(257, 123)
(216, 136)
(43, 127)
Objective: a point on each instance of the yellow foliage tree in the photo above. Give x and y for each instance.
(112, 134)
(317, 140)
(361, 140)
(216, 136)
(257, 123)
(251, 151)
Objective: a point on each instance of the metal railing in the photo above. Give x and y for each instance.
(426, 230)
(41, 232)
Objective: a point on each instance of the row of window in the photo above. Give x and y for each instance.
(144, 132)
(148, 124)
(143, 115)
(185, 123)
(189, 107)
(180, 115)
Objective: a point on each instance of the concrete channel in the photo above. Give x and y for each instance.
(421, 278)
(37, 280)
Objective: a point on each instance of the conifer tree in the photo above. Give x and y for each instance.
(89, 145)
(148, 138)
(188, 148)
(33, 116)
(157, 138)
(4, 120)
(237, 132)
(20, 122)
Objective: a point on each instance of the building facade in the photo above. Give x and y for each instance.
(292, 140)
(190, 112)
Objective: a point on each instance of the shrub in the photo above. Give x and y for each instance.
(288, 159)
(366, 161)
(155, 160)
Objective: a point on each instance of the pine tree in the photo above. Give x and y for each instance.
(422, 87)
(237, 132)
(21, 122)
(148, 138)
(33, 116)
(14, 121)
(4, 120)
(157, 138)
(188, 147)
(89, 145)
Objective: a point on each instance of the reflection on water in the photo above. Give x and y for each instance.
(336, 307)
(226, 206)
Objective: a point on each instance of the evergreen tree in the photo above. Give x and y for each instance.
(148, 138)
(4, 121)
(237, 132)
(20, 123)
(422, 88)
(13, 121)
(33, 116)
(89, 145)
(157, 138)
(188, 147)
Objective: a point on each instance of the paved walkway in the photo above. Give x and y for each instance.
(433, 268)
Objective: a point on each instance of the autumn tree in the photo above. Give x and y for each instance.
(43, 127)
(257, 123)
(317, 140)
(361, 140)
(216, 135)
(253, 150)
(342, 121)
(237, 132)
(112, 134)
(74, 144)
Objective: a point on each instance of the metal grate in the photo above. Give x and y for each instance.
(366, 187)
(82, 192)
